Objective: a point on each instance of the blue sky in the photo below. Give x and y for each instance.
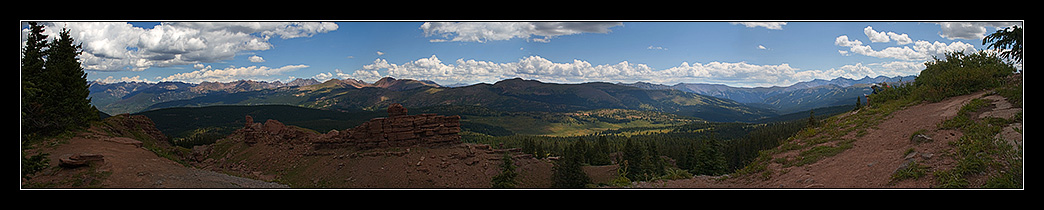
(763, 53)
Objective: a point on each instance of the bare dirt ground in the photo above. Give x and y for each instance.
(874, 156)
(125, 165)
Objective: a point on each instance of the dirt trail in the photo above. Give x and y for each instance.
(871, 161)
(127, 165)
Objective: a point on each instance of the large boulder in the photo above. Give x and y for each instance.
(79, 159)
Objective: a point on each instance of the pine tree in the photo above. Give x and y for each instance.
(581, 150)
(568, 172)
(1009, 40)
(599, 153)
(709, 158)
(859, 103)
(506, 178)
(32, 64)
(632, 155)
(66, 98)
(656, 165)
(812, 119)
(643, 160)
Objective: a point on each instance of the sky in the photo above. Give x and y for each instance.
(739, 54)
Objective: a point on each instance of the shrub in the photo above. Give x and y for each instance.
(956, 74)
(960, 74)
(33, 164)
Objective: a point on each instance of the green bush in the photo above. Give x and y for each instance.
(956, 74)
(33, 164)
(960, 74)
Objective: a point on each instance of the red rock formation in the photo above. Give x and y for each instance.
(398, 130)
(273, 132)
(396, 110)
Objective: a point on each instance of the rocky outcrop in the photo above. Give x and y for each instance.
(273, 132)
(398, 130)
(132, 126)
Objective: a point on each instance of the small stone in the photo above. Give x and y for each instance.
(920, 138)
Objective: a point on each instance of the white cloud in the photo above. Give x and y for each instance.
(900, 39)
(768, 25)
(875, 36)
(364, 75)
(497, 31)
(232, 74)
(256, 59)
(971, 30)
(762, 47)
(110, 79)
(535, 67)
(921, 50)
(337, 74)
(845, 42)
(323, 76)
(117, 46)
(859, 71)
(656, 48)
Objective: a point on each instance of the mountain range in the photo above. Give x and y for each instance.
(798, 97)
(704, 101)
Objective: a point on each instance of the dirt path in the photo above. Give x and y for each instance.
(871, 161)
(127, 165)
(875, 156)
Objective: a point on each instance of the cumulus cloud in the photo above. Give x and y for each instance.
(256, 59)
(901, 39)
(768, 25)
(539, 68)
(876, 36)
(116, 46)
(110, 79)
(845, 42)
(337, 74)
(576, 71)
(232, 74)
(971, 30)
(497, 31)
(860, 70)
(921, 50)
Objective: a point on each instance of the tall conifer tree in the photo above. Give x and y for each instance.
(32, 64)
(568, 171)
(67, 93)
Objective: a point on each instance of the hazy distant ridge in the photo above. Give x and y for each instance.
(800, 96)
